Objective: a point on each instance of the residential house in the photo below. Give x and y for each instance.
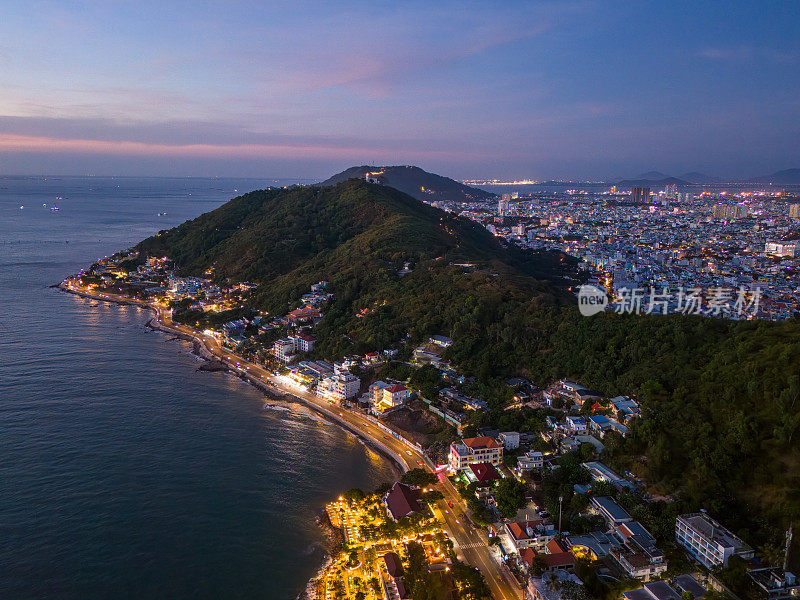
(600, 472)
(775, 584)
(305, 313)
(304, 342)
(441, 340)
(576, 426)
(474, 450)
(554, 557)
(612, 512)
(688, 583)
(509, 439)
(599, 424)
(530, 460)
(283, 350)
(526, 534)
(483, 474)
(638, 555)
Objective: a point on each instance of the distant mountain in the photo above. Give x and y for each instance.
(651, 183)
(654, 175)
(785, 177)
(695, 177)
(415, 182)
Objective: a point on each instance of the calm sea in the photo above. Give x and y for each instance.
(125, 472)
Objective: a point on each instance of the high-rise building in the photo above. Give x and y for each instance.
(503, 205)
(672, 191)
(729, 212)
(794, 211)
(640, 195)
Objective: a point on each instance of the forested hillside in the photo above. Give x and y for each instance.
(721, 398)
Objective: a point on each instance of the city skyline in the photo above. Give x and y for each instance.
(568, 90)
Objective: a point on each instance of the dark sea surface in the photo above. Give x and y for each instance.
(124, 472)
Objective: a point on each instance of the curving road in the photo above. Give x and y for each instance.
(470, 542)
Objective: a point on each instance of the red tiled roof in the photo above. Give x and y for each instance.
(560, 559)
(527, 555)
(551, 561)
(396, 388)
(401, 500)
(303, 313)
(393, 564)
(553, 547)
(480, 442)
(484, 472)
(518, 530)
(307, 338)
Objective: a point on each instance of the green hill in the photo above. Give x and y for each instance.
(417, 183)
(721, 399)
(358, 236)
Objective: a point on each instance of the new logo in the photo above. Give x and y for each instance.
(591, 300)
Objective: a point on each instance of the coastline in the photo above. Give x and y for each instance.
(271, 391)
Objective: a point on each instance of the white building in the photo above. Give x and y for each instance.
(340, 386)
(779, 249)
(530, 460)
(470, 451)
(284, 349)
(304, 342)
(504, 205)
(509, 439)
(708, 541)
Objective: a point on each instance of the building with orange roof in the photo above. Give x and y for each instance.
(470, 451)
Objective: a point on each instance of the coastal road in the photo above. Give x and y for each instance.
(469, 541)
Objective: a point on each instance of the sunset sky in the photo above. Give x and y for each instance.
(468, 89)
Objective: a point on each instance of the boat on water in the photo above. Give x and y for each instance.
(21, 207)
(53, 208)
(162, 214)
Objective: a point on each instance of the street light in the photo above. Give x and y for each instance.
(560, 500)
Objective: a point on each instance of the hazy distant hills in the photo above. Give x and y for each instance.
(785, 177)
(657, 179)
(415, 182)
(695, 177)
(651, 183)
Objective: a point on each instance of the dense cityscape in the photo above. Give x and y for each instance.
(655, 243)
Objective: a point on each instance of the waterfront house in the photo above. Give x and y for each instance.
(474, 450)
(402, 501)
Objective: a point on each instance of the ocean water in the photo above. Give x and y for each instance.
(125, 472)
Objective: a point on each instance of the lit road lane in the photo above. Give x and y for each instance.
(473, 548)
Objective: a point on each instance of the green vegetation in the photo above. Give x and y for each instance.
(419, 477)
(721, 399)
(510, 496)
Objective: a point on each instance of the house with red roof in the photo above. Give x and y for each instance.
(484, 474)
(305, 313)
(475, 450)
(402, 501)
(525, 534)
(553, 559)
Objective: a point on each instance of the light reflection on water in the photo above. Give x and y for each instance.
(125, 471)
